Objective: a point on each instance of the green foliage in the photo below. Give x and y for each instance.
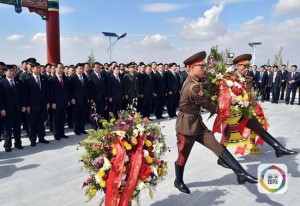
(91, 58)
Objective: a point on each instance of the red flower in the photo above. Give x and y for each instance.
(145, 172)
(237, 91)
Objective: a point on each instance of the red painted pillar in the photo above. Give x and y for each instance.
(52, 32)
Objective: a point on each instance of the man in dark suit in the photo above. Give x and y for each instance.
(36, 102)
(275, 82)
(2, 65)
(71, 70)
(78, 96)
(98, 89)
(146, 92)
(159, 91)
(12, 104)
(261, 82)
(58, 98)
(284, 73)
(293, 79)
(268, 86)
(114, 92)
(173, 84)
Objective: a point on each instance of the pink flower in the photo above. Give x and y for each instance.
(128, 121)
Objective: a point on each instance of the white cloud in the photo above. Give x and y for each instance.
(72, 42)
(66, 10)
(161, 7)
(39, 38)
(229, 1)
(204, 28)
(154, 41)
(15, 37)
(286, 7)
(96, 40)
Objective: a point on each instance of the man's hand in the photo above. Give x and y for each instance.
(53, 106)
(73, 101)
(3, 113)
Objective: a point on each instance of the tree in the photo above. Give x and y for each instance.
(214, 52)
(278, 57)
(91, 58)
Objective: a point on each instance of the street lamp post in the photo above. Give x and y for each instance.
(253, 45)
(111, 45)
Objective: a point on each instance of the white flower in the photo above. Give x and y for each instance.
(229, 70)
(126, 158)
(106, 164)
(154, 170)
(246, 104)
(123, 176)
(140, 128)
(219, 76)
(229, 83)
(120, 133)
(156, 147)
(140, 185)
(211, 71)
(135, 132)
(146, 153)
(242, 79)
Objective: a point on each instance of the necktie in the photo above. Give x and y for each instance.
(38, 82)
(292, 74)
(118, 78)
(99, 76)
(12, 83)
(81, 80)
(61, 81)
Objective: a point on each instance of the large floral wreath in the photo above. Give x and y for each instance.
(230, 93)
(123, 158)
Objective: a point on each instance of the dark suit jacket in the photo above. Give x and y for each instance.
(97, 87)
(36, 98)
(147, 86)
(58, 94)
(78, 91)
(11, 98)
(284, 75)
(296, 77)
(277, 82)
(159, 83)
(173, 82)
(261, 82)
(114, 88)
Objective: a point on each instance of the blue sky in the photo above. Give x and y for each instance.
(162, 31)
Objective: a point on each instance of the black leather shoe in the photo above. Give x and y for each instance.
(19, 147)
(84, 132)
(77, 133)
(281, 151)
(32, 144)
(57, 138)
(7, 149)
(244, 177)
(182, 187)
(44, 141)
(64, 136)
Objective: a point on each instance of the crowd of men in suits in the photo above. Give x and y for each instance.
(281, 83)
(56, 94)
(53, 95)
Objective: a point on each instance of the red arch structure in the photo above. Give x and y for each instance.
(49, 11)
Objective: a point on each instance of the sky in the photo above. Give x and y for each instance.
(161, 31)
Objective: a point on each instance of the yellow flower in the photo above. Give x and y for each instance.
(148, 143)
(239, 98)
(128, 146)
(134, 140)
(92, 191)
(124, 169)
(102, 184)
(114, 151)
(245, 98)
(254, 113)
(149, 160)
(100, 173)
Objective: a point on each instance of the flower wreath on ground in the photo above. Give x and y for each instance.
(230, 93)
(124, 158)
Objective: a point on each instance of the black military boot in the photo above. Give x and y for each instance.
(178, 183)
(242, 175)
(223, 164)
(280, 150)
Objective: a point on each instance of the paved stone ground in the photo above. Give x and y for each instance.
(51, 174)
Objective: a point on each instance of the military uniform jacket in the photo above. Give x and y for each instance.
(189, 120)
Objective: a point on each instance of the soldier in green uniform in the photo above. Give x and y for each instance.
(130, 83)
(190, 127)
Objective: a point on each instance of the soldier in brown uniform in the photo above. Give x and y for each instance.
(190, 128)
(242, 62)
